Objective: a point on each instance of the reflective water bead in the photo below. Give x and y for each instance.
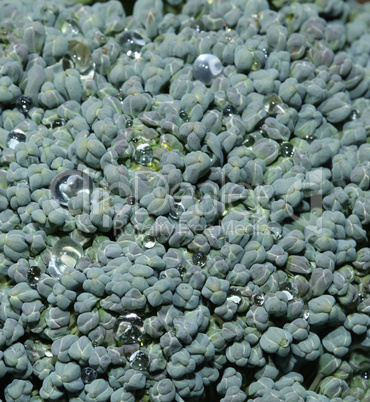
(235, 299)
(129, 123)
(132, 318)
(182, 270)
(176, 210)
(229, 110)
(249, 141)
(69, 184)
(143, 154)
(183, 115)
(79, 57)
(24, 104)
(276, 230)
(355, 115)
(287, 149)
(149, 241)
(33, 276)
(361, 297)
(310, 138)
(306, 314)
(365, 375)
(58, 123)
(15, 137)
(206, 67)
(131, 200)
(69, 27)
(289, 288)
(258, 299)
(127, 330)
(256, 64)
(66, 253)
(273, 104)
(199, 259)
(131, 44)
(48, 352)
(88, 375)
(139, 360)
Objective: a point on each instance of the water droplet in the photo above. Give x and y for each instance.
(79, 57)
(273, 104)
(206, 67)
(276, 230)
(310, 138)
(355, 115)
(143, 154)
(149, 241)
(256, 64)
(229, 110)
(24, 104)
(131, 44)
(176, 210)
(69, 27)
(131, 200)
(235, 299)
(128, 329)
(249, 141)
(306, 314)
(365, 375)
(287, 149)
(15, 137)
(183, 115)
(182, 270)
(66, 253)
(88, 375)
(58, 123)
(258, 299)
(33, 276)
(199, 259)
(289, 288)
(139, 360)
(48, 352)
(69, 184)
(361, 297)
(129, 123)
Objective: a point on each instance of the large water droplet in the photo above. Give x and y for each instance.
(69, 27)
(176, 210)
(273, 104)
(128, 329)
(66, 253)
(199, 259)
(143, 154)
(139, 360)
(289, 288)
(287, 149)
(229, 110)
(249, 141)
(33, 276)
(276, 230)
(365, 375)
(88, 375)
(24, 103)
(306, 314)
(131, 200)
(355, 115)
(131, 43)
(206, 67)
(15, 137)
(183, 115)
(149, 241)
(58, 123)
(258, 299)
(79, 57)
(69, 184)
